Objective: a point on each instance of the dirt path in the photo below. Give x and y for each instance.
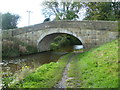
(62, 83)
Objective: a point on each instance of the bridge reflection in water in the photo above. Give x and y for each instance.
(90, 33)
(33, 61)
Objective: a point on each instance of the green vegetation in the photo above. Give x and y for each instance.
(11, 79)
(9, 21)
(74, 74)
(46, 76)
(64, 40)
(12, 47)
(97, 68)
(102, 11)
(71, 10)
(61, 10)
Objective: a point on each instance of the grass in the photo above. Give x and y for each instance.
(46, 76)
(73, 73)
(97, 68)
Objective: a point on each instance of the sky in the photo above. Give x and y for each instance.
(21, 7)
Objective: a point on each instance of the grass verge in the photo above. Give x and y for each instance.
(97, 68)
(46, 76)
(74, 82)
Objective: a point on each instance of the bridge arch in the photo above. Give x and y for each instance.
(44, 41)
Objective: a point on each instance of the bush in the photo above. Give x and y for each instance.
(12, 47)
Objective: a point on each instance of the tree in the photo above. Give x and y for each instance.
(9, 21)
(64, 40)
(102, 10)
(62, 10)
(116, 9)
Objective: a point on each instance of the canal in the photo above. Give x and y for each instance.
(11, 66)
(32, 61)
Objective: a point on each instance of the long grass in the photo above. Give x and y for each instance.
(97, 68)
(46, 76)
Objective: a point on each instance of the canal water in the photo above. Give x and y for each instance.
(16, 67)
(32, 61)
(13, 65)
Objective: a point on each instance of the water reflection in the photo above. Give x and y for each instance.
(13, 67)
(33, 61)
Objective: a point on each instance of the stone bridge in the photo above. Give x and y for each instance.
(90, 33)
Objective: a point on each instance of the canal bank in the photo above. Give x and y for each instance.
(19, 67)
(45, 76)
(97, 68)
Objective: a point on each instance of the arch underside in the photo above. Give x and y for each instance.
(88, 38)
(46, 39)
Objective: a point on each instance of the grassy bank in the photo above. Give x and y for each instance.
(12, 47)
(46, 76)
(97, 68)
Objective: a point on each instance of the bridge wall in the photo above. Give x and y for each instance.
(89, 38)
(90, 33)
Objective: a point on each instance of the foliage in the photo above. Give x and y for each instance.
(9, 80)
(12, 47)
(62, 10)
(63, 41)
(45, 76)
(102, 10)
(6, 81)
(9, 21)
(6, 78)
(97, 68)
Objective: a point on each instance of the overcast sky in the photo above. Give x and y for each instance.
(21, 7)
